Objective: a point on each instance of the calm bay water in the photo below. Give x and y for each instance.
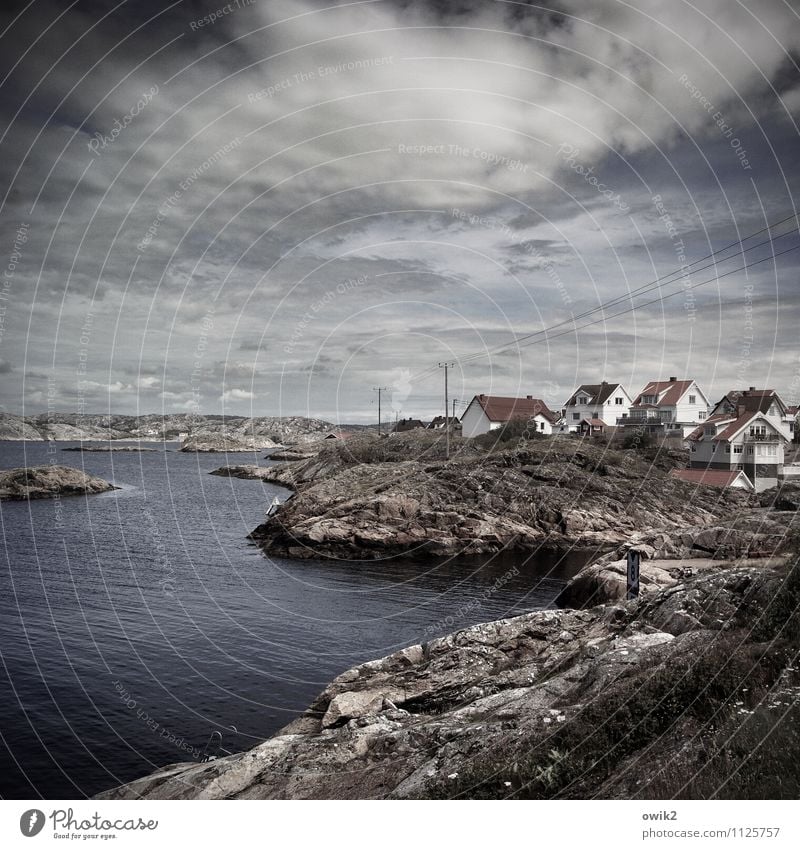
(135, 623)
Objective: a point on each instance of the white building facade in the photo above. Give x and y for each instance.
(603, 402)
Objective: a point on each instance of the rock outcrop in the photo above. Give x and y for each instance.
(246, 472)
(48, 482)
(373, 498)
(603, 703)
(222, 444)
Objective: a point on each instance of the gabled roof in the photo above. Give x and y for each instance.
(597, 393)
(673, 391)
(752, 400)
(499, 408)
(594, 422)
(719, 478)
(735, 427)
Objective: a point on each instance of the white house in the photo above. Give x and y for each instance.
(767, 401)
(751, 442)
(672, 407)
(594, 406)
(488, 412)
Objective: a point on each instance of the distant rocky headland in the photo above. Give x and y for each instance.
(48, 482)
(196, 432)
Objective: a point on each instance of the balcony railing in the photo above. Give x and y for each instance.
(649, 416)
(762, 437)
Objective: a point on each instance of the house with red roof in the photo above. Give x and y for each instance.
(749, 441)
(670, 407)
(718, 478)
(593, 407)
(489, 412)
(767, 401)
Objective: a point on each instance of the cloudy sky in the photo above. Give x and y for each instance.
(270, 208)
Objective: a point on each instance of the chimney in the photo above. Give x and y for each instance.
(604, 383)
(673, 379)
(752, 389)
(529, 397)
(482, 396)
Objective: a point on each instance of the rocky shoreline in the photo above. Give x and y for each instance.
(665, 696)
(609, 702)
(48, 482)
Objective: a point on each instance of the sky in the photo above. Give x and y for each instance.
(275, 208)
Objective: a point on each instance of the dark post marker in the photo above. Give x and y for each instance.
(634, 560)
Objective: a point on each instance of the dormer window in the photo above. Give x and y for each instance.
(649, 399)
(583, 400)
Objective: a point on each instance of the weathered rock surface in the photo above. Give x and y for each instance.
(786, 497)
(48, 482)
(373, 498)
(552, 704)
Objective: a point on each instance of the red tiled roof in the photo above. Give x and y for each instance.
(719, 478)
(699, 432)
(752, 400)
(594, 422)
(502, 409)
(672, 389)
(597, 393)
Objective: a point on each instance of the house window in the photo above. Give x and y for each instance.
(701, 416)
(583, 400)
(694, 448)
(693, 399)
(649, 399)
(727, 449)
(737, 449)
(749, 449)
(576, 417)
(618, 401)
(541, 425)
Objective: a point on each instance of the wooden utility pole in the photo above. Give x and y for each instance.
(446, 367)
(379, 389)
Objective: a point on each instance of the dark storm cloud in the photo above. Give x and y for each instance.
(290, 192)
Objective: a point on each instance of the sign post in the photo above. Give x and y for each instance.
(634, 561)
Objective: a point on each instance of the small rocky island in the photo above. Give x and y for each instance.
(100, 449)
(48, 482)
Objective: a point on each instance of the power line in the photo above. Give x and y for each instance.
(659, 282)
(641, 290)
(661, 298)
